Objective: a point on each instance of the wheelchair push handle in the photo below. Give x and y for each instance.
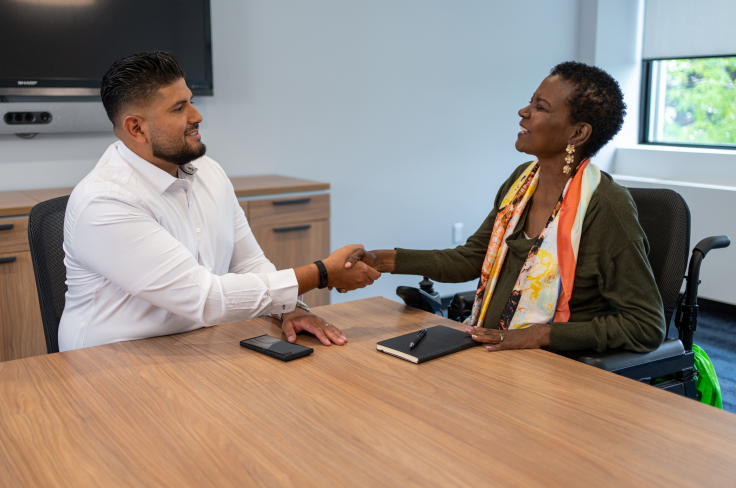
(687, 315)
(696, 260)
(713, 242)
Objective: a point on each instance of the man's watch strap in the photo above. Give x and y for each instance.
(322, 274)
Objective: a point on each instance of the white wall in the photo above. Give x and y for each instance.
(610, 37)
(706, 178)
(407, 107)
(711, 213)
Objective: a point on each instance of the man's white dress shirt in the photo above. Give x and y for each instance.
(148, 254)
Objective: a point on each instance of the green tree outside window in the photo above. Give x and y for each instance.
(699, 101)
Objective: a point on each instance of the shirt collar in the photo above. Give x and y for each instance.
(158, 178)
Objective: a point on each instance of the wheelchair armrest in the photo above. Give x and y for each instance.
(615, 360)
(465, 297)
(461, 305)
(414, 297)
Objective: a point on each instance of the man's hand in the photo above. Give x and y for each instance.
(349, 278)
(300, 320)
(533, 337)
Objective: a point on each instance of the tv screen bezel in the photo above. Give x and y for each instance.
(65, 87)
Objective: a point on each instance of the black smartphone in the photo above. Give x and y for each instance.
(276, 348)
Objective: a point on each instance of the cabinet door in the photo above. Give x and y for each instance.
(294, 245)
(21, 329)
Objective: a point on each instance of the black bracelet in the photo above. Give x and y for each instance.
(322, 274)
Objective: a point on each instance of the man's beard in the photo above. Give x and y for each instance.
(174, 150)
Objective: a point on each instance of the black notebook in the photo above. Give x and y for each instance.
(439, 341)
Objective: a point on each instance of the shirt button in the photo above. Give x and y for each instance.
(210, 268)
(199, 230)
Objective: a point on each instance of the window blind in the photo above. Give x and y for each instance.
(689, 28)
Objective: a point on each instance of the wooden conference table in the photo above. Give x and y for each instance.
(196, 409)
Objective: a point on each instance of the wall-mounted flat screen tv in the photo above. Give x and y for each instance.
(64, 47)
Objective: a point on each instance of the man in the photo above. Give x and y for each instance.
(155, 240)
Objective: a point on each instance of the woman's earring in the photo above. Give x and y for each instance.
(569, 159)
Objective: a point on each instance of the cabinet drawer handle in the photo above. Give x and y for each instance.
(292, 202)
(293, 228)
(6, 226)
(9, 259)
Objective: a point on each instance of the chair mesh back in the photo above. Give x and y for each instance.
(665, 218)
(46, 237)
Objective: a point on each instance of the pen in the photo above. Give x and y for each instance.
(420, 334)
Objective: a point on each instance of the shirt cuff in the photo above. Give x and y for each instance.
(283, 288)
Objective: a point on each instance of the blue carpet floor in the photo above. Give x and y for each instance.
(716, 335)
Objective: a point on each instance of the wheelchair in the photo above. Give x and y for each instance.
(665, 219)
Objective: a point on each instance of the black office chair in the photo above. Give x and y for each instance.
(665, 218)
(46, 237)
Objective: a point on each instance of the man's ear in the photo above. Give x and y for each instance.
(582, 134)
(136, 128)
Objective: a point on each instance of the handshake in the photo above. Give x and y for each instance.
(353, 267)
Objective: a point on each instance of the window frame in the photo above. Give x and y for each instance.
(645, 106)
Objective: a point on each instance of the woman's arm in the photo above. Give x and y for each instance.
(457, 265)
(627, 283)
(447, 266)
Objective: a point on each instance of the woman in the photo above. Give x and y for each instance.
(561, 257)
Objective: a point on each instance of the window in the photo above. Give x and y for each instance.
(690, 102)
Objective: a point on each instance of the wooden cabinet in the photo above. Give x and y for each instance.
(293, 229)
(296, 244)
(21, 330)
(283, 211)
(14, 235)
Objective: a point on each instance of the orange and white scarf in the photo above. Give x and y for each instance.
(544, 287)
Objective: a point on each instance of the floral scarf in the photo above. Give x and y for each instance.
(544, 287)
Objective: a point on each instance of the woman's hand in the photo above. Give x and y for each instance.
(300, 320)
(533, 337)
(381, 260)
(348, 278)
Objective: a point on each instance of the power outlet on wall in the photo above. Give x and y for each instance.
(457, 233)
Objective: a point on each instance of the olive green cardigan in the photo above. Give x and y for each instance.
(615, 301)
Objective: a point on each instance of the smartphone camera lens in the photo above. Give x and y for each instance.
(8, 118)
(29, 117)
(45, 117)
(18, 117)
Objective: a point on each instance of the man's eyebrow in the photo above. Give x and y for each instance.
(180, 102)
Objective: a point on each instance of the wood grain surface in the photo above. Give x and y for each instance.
(273, 211)
(296, 248)
(246, 186)
(15, 203)
(196, 409)
(15, 238)
(21, 328)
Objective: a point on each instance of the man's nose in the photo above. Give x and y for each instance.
(195, 117)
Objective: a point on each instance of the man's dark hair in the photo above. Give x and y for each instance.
(596, 99)
(137, 78)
